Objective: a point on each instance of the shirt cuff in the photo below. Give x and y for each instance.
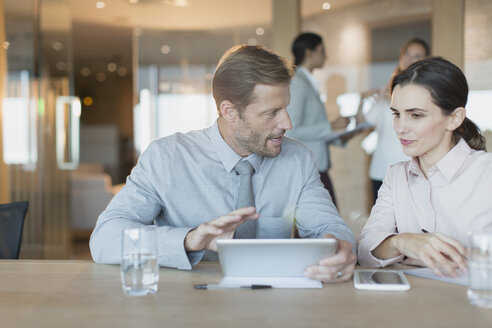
(195, 257)
(366, 256)
(171, 248)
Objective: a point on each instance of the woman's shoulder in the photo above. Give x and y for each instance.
(299, 79)
(398, 171)
(400, 167)
(481, 160)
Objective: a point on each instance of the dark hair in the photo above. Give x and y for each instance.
(301, 43)
(418, 41)
(449, 90)
(241, 68)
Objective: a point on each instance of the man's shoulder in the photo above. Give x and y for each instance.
(179, 141)
(292, 143)
(194, 136)
(292, 147)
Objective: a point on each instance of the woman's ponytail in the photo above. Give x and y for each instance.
(471, 133)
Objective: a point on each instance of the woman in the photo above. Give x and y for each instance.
(427, 205)
(310, 123)
(388, 150)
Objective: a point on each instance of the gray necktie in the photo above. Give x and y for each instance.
(245, 198)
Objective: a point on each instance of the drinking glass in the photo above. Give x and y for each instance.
(480, 269)
(139, 266)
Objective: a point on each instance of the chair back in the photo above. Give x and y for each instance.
(11, 225)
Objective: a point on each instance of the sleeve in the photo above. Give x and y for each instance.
(138, 204)
(380, 225)
(315, 214)
(298, 110)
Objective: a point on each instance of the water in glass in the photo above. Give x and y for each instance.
(139, 266)
(139, 274)
(480, 284)
(480, 269)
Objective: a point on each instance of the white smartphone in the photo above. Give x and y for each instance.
(380, 280)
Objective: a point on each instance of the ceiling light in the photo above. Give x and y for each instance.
(56, 45)
(88, 101)
(85, 71)
(6, 45)
(121, 71)
(100, 77)
(100, 5)
(260, 31)
(61, 65)
(252, 42)
(111, 67)
(165, 49)
(326, 6)
(176, 3)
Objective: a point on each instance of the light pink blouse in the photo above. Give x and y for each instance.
(456, 198)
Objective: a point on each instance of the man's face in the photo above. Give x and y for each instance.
(261, 125)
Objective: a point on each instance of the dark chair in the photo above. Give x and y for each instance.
(11, 224)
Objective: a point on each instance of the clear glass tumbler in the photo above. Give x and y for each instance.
(480, 269)
(139, 266)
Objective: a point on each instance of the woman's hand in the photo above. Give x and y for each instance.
(441, 253)
(340, 123)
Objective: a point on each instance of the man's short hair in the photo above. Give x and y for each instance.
(241, 68)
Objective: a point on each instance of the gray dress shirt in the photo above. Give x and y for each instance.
(184, 180)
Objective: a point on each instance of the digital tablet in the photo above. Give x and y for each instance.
(277, 262)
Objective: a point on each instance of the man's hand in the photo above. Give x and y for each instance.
(441, 253)
(204, 236)
(336, 268)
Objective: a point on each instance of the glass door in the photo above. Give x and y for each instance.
(40, 120)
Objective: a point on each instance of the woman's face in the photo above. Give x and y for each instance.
(414, 52)
(423, 130)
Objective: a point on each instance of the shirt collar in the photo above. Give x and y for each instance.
(414, 167)
(227, 155)
(309, 77)
(449, 164)
(454, 159)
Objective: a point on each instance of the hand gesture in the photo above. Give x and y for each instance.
(204, 236)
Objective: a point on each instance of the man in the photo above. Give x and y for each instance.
(189, 184)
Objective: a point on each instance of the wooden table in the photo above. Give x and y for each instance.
(84, 294)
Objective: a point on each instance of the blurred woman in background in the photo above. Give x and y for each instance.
(310, 124)
(388, 150)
